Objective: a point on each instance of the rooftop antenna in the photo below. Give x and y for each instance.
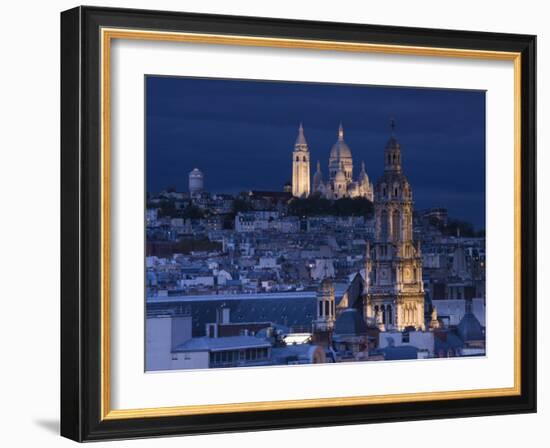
(392, 126)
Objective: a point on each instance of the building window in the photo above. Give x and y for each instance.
(384, 225)
(395, 225)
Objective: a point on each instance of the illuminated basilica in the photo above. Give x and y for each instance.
(340, 182)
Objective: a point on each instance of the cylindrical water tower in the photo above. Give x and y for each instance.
(196, 182)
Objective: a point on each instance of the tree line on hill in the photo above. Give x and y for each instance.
(319, 206)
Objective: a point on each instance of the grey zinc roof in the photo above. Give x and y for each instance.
(400, 352)
(350, 322)
(216, 297)
(470, 329)
(452, 341)
(290, 311)
(219, 344)
(298, 351)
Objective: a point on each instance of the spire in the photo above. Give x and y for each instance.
(340, 132)
(317, 178)
(393, 151)
(363, 174)
(301, 139)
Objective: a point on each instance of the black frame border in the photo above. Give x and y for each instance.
(81, 225)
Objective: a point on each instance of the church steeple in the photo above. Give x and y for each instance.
(392, 153)
(396, 290)
(340, 132)
(317, 178)
(301, 142)
(300, 166)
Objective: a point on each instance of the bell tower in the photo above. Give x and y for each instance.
(326, 313)
(300, 166)
(395, 292)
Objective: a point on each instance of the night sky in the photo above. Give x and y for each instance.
(241, 135)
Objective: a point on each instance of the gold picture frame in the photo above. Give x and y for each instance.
(123, 25)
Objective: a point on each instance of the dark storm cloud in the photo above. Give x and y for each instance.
(241, 135)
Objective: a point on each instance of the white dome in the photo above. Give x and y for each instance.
(340, 177)
(340, 150)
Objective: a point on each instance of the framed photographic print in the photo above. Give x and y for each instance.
(275, 224)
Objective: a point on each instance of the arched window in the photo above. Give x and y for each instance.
(390, 317)
(383, 311)
(396, 225)
(304, 159)
(384, 225)
(406, 226)
(297, 159)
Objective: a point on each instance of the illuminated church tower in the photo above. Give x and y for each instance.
(300, 166)
(326, 313)
(394, 292)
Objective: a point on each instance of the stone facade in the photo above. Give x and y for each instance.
(394, 292)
